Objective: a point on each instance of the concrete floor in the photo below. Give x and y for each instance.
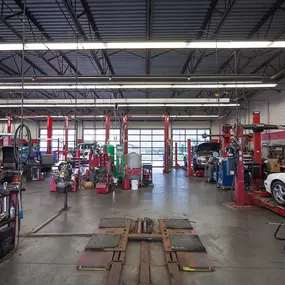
(239, 242)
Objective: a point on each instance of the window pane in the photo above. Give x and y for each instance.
(100, 131)
(146, 138)
(158, 132)
(146, 157)
(191, 132)
(133, 131)
(134, 138)
(158, 144)
(202, 132)
(158, 156)
(157, 163)
(192, 138)
(146, 144)
(88, 131)
(158, 138)
(145, 132)
(146, 150)
(133, 149)
(134, 144)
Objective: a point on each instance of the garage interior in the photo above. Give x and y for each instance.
(142, 142)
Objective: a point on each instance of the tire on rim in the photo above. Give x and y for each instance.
(278, 192)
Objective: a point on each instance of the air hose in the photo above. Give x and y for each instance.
(18, 136)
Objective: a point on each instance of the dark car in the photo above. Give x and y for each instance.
(201, 154)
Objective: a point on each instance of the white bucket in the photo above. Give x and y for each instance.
(135, 184)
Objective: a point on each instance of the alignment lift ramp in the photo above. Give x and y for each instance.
(182, 246)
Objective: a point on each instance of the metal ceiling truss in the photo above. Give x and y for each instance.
(269, 15)
(203, 30)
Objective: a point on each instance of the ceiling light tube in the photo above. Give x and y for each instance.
(142, 45)
(112, 105)
(178, 105)
(142, 86)
(58, 106)
(194, 116)
(117, 101)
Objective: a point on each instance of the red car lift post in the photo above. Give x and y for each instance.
(189, 158)
(257, 141)
(166, 144)
(66, 135)
(49, 134)
(239, 173)
(107, 125)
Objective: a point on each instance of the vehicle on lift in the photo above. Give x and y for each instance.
(201, 154)
(275, 184)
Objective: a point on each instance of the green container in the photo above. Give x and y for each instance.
(111, 152)
(120, 160)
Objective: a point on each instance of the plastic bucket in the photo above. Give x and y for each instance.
(135, 184)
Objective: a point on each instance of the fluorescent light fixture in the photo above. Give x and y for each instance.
(178, 105)
(112, 105)
(142, 45)
(57, 105)
(116, 101)
(141, 86)
(194, 116)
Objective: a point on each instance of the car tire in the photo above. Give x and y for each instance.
(278, 192)
(195, 166)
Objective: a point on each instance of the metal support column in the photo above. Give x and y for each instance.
(176, 156)
(257, 141)
(107, 126)
(189, 158)
(166, 144)
(49, 134)
(239, 173)
(125, 135)
(66, 136)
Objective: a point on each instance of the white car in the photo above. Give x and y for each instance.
(275, 184)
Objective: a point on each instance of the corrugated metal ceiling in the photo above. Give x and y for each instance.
(128, 20)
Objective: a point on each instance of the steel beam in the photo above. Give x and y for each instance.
(81, 31)
(93, 25)
(265, 63)
(149, 19)
(205, 23)
(270, 13)
(219, 26)
(43, 32)
(265, 18)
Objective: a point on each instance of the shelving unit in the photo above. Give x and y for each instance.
(8, 226)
